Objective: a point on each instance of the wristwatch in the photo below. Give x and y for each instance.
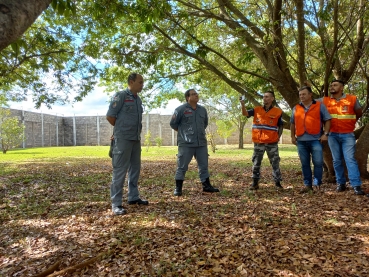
(327, 134)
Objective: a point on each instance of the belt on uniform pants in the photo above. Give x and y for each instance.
(266, 143)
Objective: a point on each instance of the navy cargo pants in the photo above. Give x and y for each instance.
(126, 158)
(184, 157)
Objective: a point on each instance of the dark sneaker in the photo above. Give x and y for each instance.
(341, 187)
(139, 202)
(307, 189)
(358, 191)
(119, 210)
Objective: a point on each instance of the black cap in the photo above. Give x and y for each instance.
(338, 80)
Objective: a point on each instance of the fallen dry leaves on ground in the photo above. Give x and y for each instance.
(59, 215)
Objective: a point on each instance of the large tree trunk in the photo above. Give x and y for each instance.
(362, 150)
(16, 16)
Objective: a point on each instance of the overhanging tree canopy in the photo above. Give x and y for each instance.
(249, 45)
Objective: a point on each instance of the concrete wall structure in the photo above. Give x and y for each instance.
(44, 130)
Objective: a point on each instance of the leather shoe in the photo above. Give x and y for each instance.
(307, 189)
(139, 201)
(119, 210)
(358, 191)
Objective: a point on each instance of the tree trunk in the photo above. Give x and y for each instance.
(362, 150)
(16, 16)
(240, 136)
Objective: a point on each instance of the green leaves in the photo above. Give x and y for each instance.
(201, 52)
(18, 45)
(48, 63)
(11, 131)
(148, 27)
(64, 7)
(241, 45)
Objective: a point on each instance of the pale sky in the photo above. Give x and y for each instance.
(95, 103)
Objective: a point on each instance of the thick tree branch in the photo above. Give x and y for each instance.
(220, 54)
(227, 3)
(49, 271)
(208, 65)
(359, 46)
(16, 16)
(301, 40)
(27, 58)
(188, 73)
(224, 17)
(332, 61)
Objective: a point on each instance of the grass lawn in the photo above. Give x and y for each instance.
(55, 214)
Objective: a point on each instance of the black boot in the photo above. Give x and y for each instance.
(255, 184)
(178, 190)
(358, 191)
(278, 185)
(207, 187)
(341, 187)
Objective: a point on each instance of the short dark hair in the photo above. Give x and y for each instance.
(338, 80)
(307, 88)
(271, 92)
(187, 93)
(132, 77)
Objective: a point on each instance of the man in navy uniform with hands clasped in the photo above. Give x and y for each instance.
(125, 114)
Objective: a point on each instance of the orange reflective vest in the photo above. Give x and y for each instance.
(342, 112)
(309, 121)
(265, 125)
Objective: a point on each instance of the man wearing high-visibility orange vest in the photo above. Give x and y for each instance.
(345, 110)
(267, 128)
(308, 119)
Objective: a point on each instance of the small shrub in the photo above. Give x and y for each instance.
(159, 141)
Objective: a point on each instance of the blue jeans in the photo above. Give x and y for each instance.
(313, 149)
(343, 147)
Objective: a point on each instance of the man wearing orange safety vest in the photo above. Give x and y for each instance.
(307, 119)
(345, 111)
(266, 130)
